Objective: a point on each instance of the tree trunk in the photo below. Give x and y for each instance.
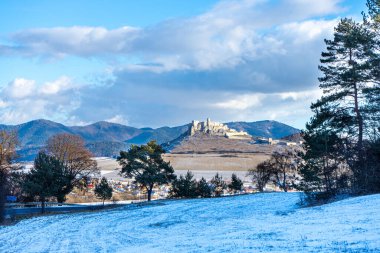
(150, 189)
(284, 182)
(360, 171)
(360, 120)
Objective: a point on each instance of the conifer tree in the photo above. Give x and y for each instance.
(236, 184)
(346, 68)
(203, 188)
(184, 186)
(218, 185)
(45, 178)
(146, 166)
(103, 190)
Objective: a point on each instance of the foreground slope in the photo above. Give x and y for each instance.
(252, 223)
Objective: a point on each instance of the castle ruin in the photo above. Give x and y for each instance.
(217, 129)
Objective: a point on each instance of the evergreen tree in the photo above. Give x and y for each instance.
(372, 22)
(145, 164)
(184, 187)
(236, 184)
(103, 190)
(44, 178)
(343, 109)
(324, 169)
(203, 188)
(218, 185)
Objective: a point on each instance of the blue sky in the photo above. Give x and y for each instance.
(155, 63)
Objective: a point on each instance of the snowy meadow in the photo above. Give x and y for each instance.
(269, 222)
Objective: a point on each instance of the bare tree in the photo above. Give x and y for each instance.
(71, 151)
(261, 174)
(8, 144)
(284, 165)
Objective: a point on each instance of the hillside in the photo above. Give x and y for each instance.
(106, 139)
(265, 128)
(106, 131)
(205, 144)
(267, 222)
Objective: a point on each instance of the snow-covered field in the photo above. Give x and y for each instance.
(269, 222)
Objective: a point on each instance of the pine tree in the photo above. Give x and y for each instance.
(103, 190)
(218, 185)
(236, 184)
(145, 164)
(203, 188)
(372, 22)
(323, 169)
(346, 69)
(44, 179)
(184, 187)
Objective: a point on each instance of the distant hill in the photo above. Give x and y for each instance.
(297, 137)
(265, 128)
(161, 135)
(106, 131)
(107, 139)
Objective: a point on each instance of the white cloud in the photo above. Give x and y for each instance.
(54, 87)
(241, 60)
(303, 32)
(310, 94)
(19, 88)
(225, 36)
(77, 40)
(3, 104)
(242, 102)
(24, 100)
(119, 119)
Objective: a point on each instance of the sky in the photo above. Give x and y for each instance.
(163, 62)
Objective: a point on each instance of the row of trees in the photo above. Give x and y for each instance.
(187, 187)
(148, 169)
(342, 144)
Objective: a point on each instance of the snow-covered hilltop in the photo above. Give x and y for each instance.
(269, 222)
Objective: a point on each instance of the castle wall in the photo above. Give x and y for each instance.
(216, 128)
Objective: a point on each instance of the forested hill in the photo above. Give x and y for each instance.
(107, 139)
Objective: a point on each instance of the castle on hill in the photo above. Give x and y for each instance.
(217, 129)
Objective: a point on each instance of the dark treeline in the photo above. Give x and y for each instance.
(342, 144)
(187, 187)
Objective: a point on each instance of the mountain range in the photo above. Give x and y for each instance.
(107, 139)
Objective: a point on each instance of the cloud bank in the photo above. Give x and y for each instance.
(241, 60)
